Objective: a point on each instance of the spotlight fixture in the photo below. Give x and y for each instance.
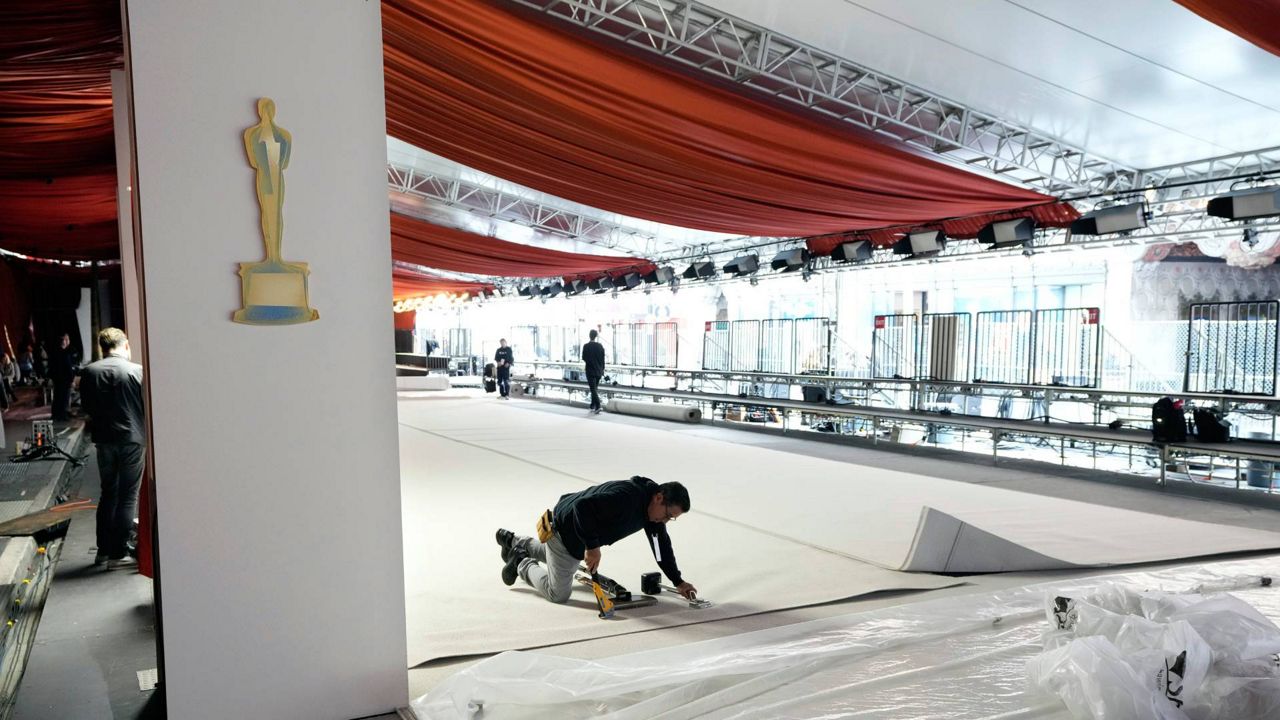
(925, 243)
(1114, 219)
(700, 270)
(552, 290)
(627, 281)
(529, 291)
(575, 287)
(1008, 233)
(1246, 204)
(660, 275)
(601, 285)
(790, 260)
(856, 251)
(742, 265)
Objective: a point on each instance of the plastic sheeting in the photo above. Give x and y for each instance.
(959, 657)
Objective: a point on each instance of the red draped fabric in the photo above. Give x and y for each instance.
(55, 124)
(422, 243)
(1257, 21)
(528, 99)
(407, 284)
(1057, 215)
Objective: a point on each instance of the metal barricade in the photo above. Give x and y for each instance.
(715, 346)
(523, 340)
(1002, 346)
(1231, 347)
(776, 346)
(666, 340)
(944, 346)
(1067, 346)
(894, 343)
(623, 344)
(812, 343)
(744, 345)
(457, 342)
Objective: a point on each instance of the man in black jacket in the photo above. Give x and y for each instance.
(593, 356)
(503, 360)
(584, 521)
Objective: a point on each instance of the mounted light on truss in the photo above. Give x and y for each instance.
(575, 287)
(627, 281)
(1114, 219)
(700, 270)
(1246, 204)
(790, 260)
(529, 291)
(660, 275)
(742, 266)
(856, 251)
(924, 243)
(553, 289)
(1008, 233)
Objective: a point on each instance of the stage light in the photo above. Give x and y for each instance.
(856, 251)
(601, 285)
(700, 270)
(627, 281)
(575, 287)
(925, 243)
(661, 275)
(790, 260)
(529, 291)
(1114, 219)
(552, 290)
(1008, 233)
(742, 265)
(1246, 204)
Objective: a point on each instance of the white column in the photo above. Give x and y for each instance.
(276, 468)
(120, 115)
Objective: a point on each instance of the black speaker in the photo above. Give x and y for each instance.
(404, 341)
(814, 393)
(790, 260)
(852, 251)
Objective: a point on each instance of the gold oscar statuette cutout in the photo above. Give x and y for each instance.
(272, 292)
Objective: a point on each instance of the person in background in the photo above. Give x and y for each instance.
(593, 357)
(62, 369)
(26, 365)
(9, 375)
(111, 392)
(503, 360)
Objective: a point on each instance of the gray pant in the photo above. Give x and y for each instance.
(555, 582)
(120, 468)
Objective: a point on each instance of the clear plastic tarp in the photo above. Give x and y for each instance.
(961, 657)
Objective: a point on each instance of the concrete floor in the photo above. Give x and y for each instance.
(1062, 483)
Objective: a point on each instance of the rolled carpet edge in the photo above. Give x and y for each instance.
(659, 411)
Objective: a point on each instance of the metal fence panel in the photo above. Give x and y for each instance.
(944, 346)
(894, 342)
(666, 344)
(1002, 347)
(523, 340)
(1231, 347)
(776, 347)
(1067, 346)
(744, 343)
(644, 353)
(715, 346)
(812, 345)
(623, 344)
(571, 344)
(457, 342)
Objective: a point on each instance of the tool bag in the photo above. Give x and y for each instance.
(1168, 422)
(545, 527)
(1210, 426)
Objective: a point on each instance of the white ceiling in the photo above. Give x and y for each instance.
(1144, 83)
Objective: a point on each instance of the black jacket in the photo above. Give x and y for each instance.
(504, 353)
(593, 356)
(111, 392)
(604, 514)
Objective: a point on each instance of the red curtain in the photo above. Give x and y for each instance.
(1257, 21)
(406, 284)
(422, 243)
(525, 98)
(55, 124)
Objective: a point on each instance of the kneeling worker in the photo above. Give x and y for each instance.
(584, 521)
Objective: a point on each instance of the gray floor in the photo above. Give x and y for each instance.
(1040, 480)
(97, 632)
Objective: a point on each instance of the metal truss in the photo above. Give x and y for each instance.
(512, 207)
(746, 54)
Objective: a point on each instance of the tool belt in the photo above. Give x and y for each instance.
(546, 528)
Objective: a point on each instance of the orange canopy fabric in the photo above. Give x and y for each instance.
(532, 100)
(1257, 21)
(422, 243)
(408, 284)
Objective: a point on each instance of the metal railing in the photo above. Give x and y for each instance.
(1231, 347)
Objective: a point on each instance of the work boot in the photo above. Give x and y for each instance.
(511, 570)
(506, 540)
